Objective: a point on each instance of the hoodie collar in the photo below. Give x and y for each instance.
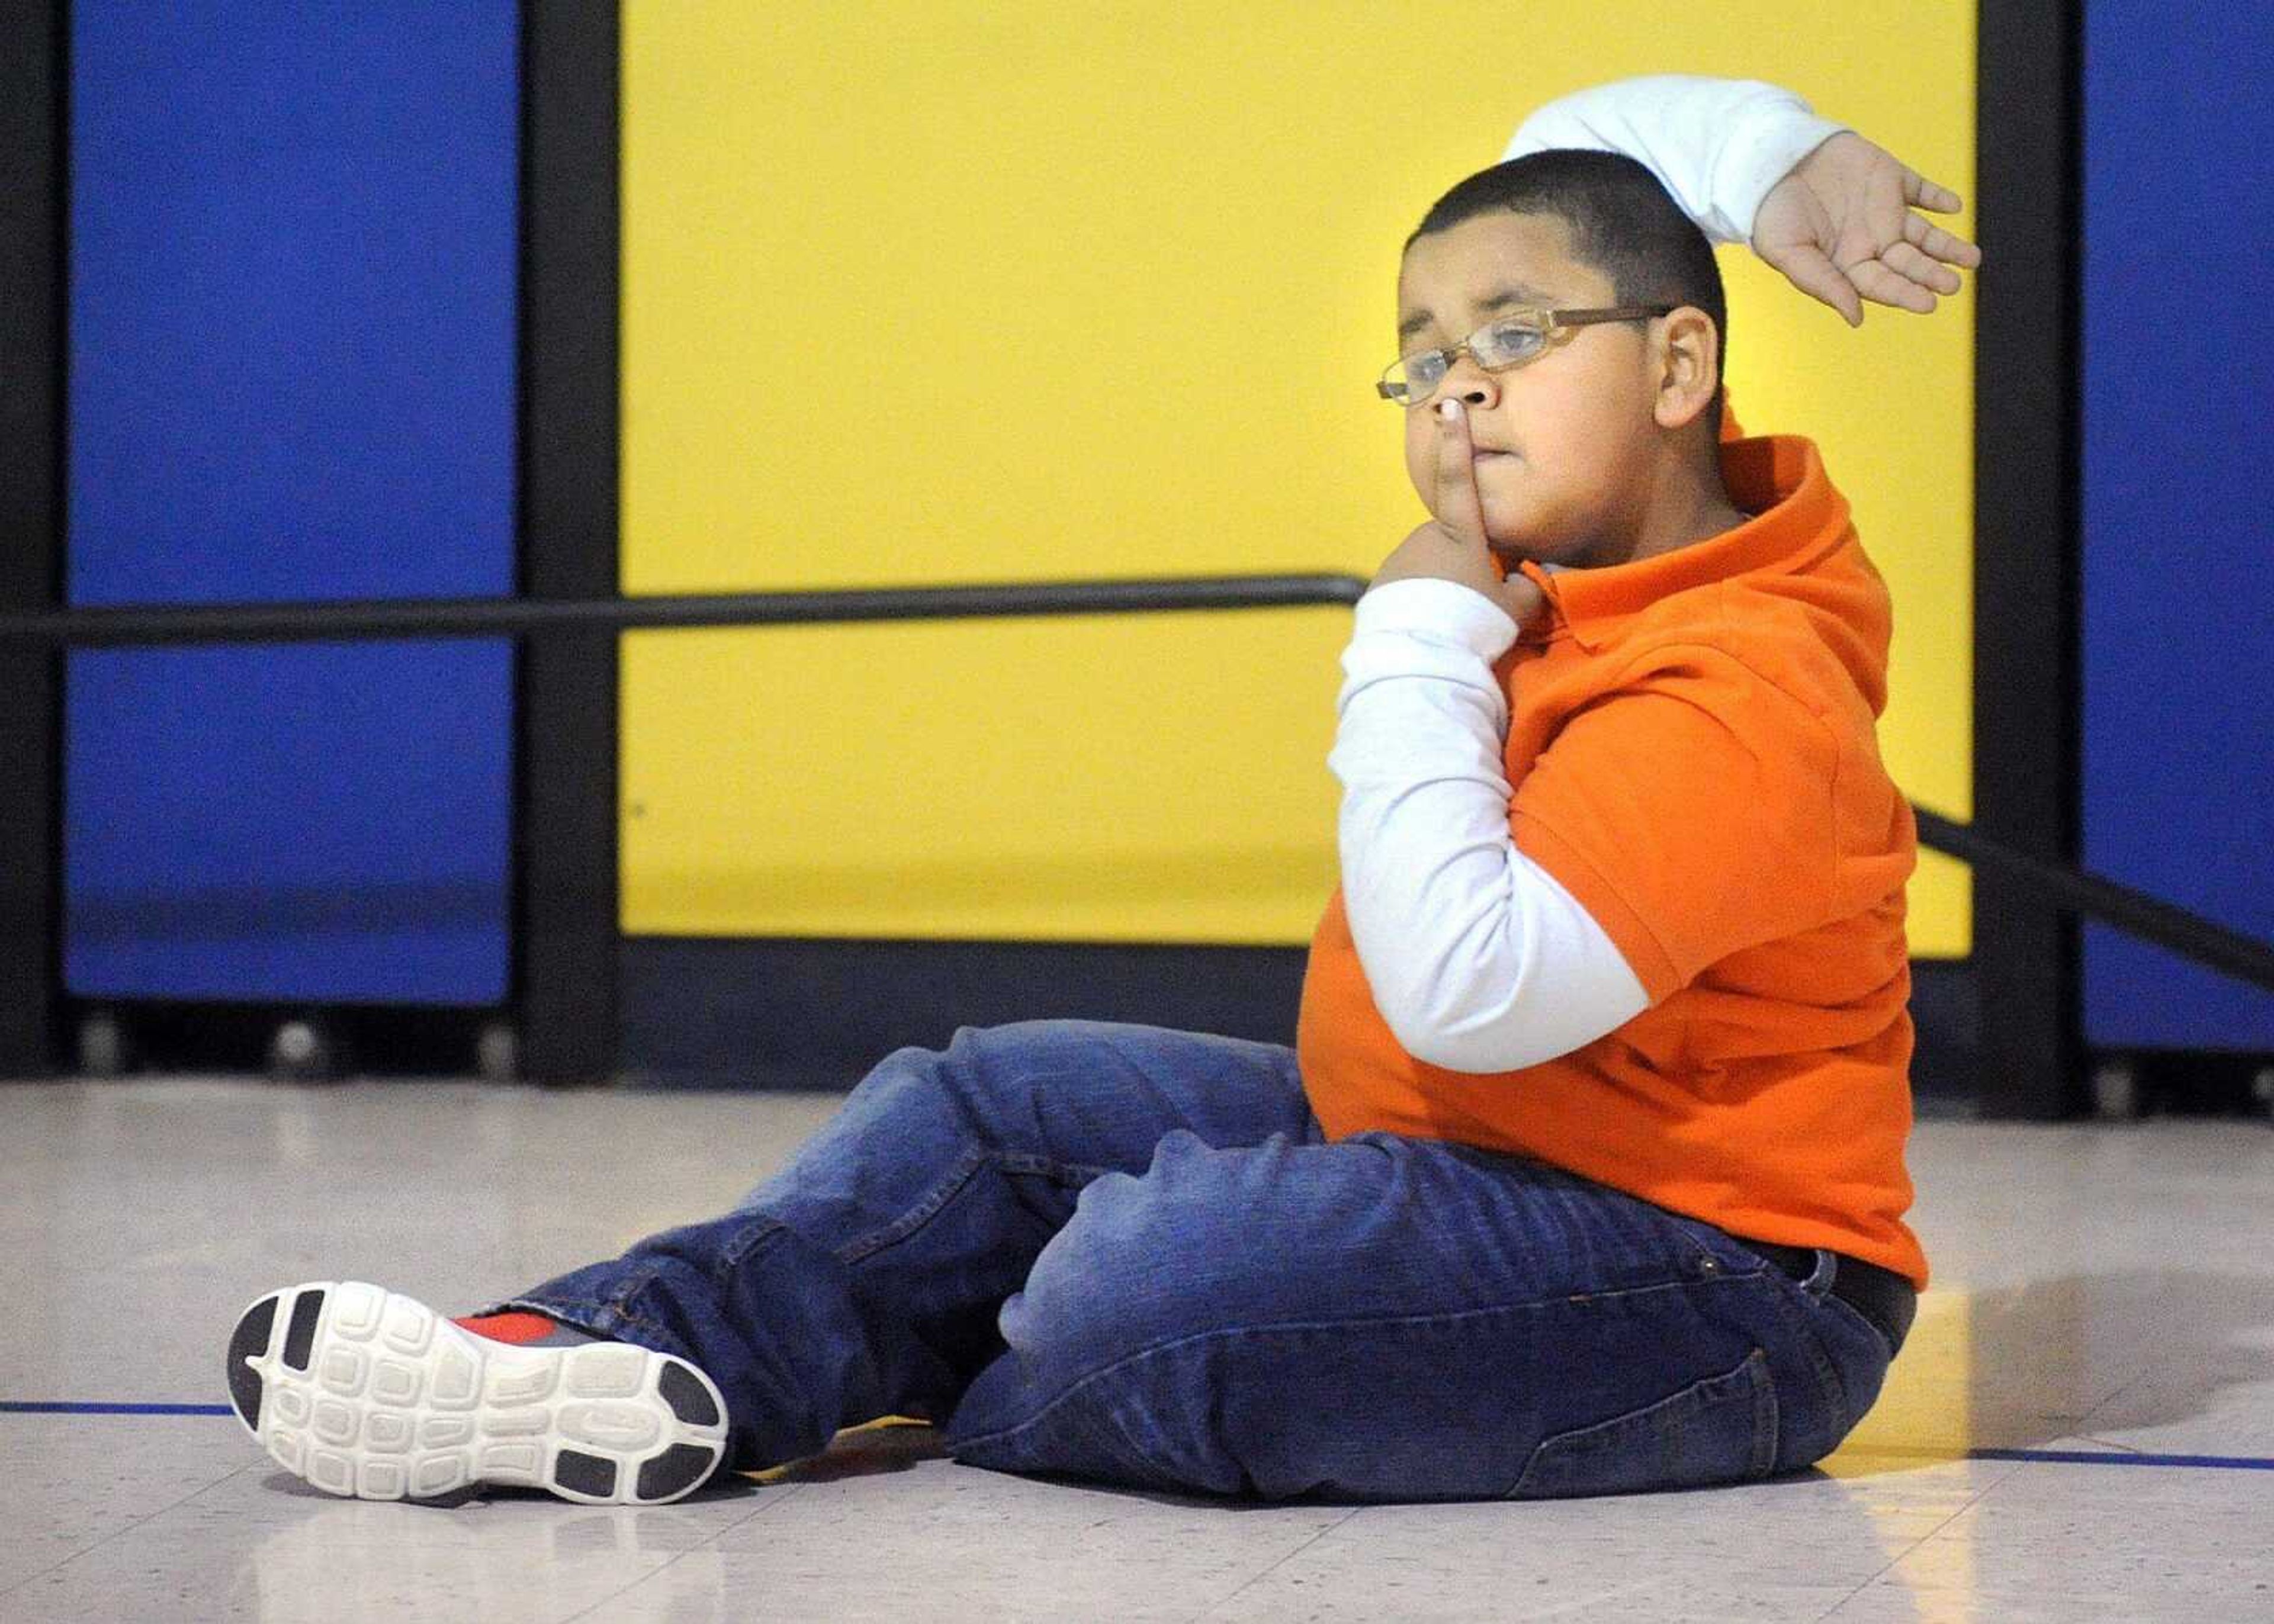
(1797, 515)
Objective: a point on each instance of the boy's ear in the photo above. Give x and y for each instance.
(1688, 356)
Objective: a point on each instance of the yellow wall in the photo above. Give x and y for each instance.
(939, 292)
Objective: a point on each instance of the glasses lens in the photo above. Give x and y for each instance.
(1508, 344)
(1413, 378)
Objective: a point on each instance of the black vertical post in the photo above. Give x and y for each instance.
(35, 133)
(2028, 407)
(565, 925)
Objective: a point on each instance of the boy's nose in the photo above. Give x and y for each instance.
(1465, 380)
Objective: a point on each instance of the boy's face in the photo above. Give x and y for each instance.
(1564, 443)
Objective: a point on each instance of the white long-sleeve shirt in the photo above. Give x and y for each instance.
(1478, 957)
(1717, 144)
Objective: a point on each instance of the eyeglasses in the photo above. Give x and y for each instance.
(1517, 339)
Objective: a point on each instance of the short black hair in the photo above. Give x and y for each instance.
(1623, 223)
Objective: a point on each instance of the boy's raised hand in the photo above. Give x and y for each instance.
(1840, 227)
(1452, 546)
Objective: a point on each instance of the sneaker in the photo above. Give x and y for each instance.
(367, 1392)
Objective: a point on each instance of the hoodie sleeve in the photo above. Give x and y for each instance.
(1693, 810)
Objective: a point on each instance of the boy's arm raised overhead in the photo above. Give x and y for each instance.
(1751, 162)
(1717, 144)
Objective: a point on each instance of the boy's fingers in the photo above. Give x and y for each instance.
(1459, 508)
(1929, 238)
(1809, 269)
(1919, 190)
(1875, 281)
(1910, 262)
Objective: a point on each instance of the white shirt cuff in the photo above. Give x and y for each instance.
(1442, 611)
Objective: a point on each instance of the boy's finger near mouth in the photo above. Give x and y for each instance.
(1452, 441)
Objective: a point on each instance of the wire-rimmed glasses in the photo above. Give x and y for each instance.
(1515, 339)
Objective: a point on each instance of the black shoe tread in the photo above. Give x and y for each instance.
(680, 1466)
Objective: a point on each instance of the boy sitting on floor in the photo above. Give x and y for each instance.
(1585, 1172)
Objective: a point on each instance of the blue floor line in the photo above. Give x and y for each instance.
(2095, 1457)
(2078, 1457)
(17, 1407)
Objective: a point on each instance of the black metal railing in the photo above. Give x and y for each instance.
(365, 619)
(2149, 918)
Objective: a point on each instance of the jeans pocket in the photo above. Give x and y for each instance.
(1720, 1430)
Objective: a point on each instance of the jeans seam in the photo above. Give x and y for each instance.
(1290, 1327)
(763, 1227)
(602, 1316)
(619, 1303)
(1828, 1378)
(625, 1316)
(958, 1175)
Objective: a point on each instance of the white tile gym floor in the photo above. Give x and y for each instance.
(2080, 1426)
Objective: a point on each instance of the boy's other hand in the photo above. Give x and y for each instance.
(1453, 547)
(1840, 227)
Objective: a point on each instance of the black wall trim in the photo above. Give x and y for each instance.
(35, 131)
(2027, 413)
(1946, 1024)
(565, 924)
(800, 1014)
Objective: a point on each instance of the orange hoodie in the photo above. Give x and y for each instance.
(1691, 740)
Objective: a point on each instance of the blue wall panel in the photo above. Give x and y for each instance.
(2178, 741)
(292, 333)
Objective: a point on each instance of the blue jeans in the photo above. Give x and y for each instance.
(1127, 1253)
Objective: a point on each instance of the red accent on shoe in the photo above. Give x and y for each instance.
(515, 1325)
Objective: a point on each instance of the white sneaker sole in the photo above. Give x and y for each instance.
(373, 1396)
